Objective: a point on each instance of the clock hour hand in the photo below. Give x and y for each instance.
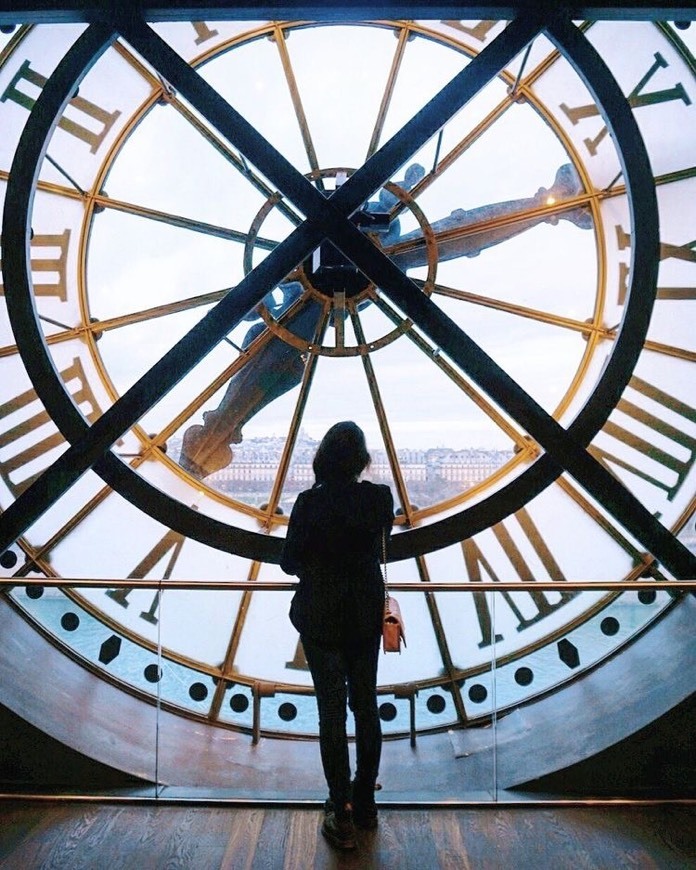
(274, 370)
(453, 239)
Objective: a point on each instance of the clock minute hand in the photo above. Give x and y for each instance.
(409, 250)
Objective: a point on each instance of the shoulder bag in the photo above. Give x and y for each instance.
(392, 624)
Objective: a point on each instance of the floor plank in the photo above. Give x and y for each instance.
(54, 835)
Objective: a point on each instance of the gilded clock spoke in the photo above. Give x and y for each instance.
(453, 673)
(40, 552)
(164, 92)
(238, 161)
(438, 112)
(484, 126)
(642, 560)
(66, 335)
(240, 620)
(387, 95)
(518, 438)
(394, 464)
(683, 174)
(96, 326)
(553, 56)
(297, 416)
(670, 350)
(450, 159)
(244, 359)
(584, 327)
(105, 202)
(280, 41)
(227, 668)
(206, 448)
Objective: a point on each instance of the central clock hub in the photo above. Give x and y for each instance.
(330, 272)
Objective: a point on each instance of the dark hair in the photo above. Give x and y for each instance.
(342, 454)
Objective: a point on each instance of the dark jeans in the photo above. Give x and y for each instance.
(346, 676)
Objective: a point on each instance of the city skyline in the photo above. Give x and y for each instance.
(430, 474)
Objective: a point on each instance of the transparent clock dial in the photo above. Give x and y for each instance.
(514, 220)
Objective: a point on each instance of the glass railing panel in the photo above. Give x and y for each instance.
(186, 712)
(80, 682)
(580, 713)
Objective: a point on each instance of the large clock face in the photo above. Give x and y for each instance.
(514, 220)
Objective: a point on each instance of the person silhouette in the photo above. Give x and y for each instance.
(334, 546)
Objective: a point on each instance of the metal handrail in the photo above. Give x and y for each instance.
(398, 586)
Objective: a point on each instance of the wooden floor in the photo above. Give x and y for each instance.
(99, 836)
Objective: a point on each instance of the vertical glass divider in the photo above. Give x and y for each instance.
(494, 711)
(160, 674)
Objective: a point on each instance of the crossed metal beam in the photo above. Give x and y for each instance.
(329, 218)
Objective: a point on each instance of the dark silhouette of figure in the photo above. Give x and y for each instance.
(334, 545)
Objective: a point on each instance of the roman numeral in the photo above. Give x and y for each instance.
(478, 31)
(203, 32)
(668, 466)
(298, 661)
(686, 253)
(49, 257)
(527, 607)
(99, 118)
(172, 544)
(27, 445)
(638, 98)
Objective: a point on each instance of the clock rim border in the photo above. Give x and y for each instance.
(413, 542)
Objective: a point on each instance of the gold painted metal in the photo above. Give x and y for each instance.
(227, 667)
(453, 674)
(404, 36)
(433, 354)
(279, 38)
(384, 427)
(642, 560)
(398, 586)
(525, 449)
(295, 423)
(340, 349)
(582, 326)
(162, 92)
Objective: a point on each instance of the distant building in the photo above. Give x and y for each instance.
(430, 474)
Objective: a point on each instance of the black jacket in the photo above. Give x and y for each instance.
(334, 545)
